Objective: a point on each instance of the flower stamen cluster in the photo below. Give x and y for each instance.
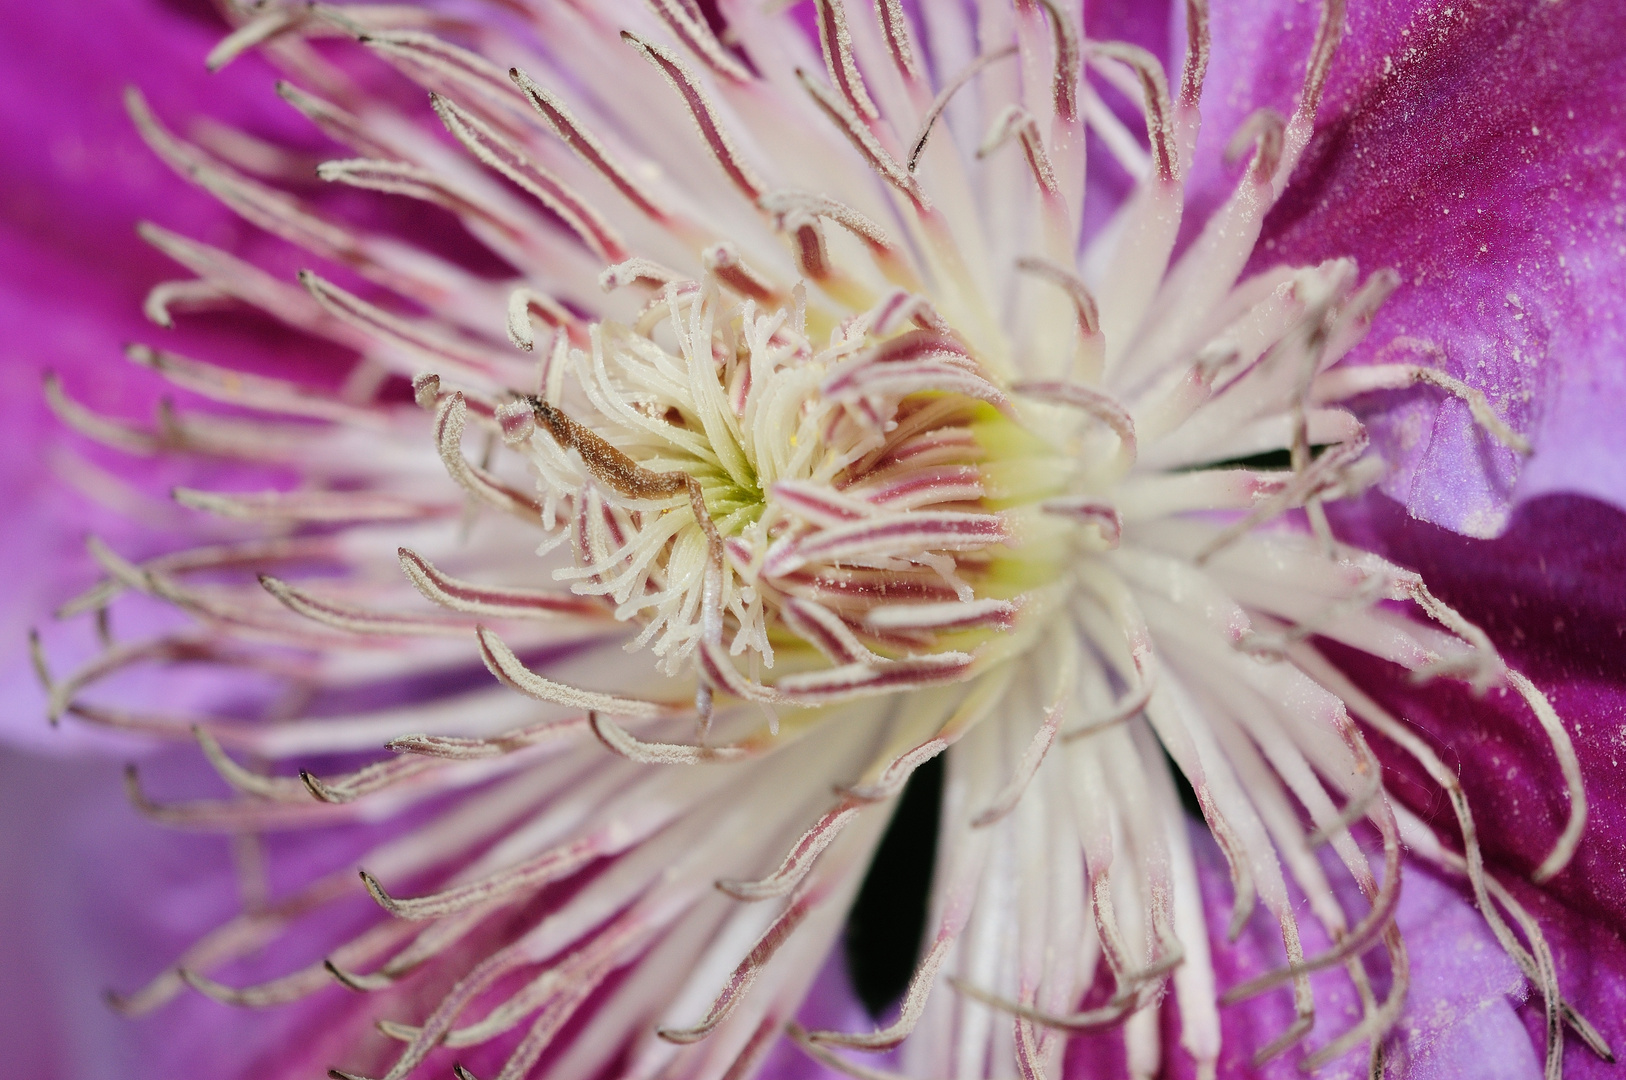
(802, 395)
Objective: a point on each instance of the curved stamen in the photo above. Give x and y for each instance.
(1069, 60)
(1019, 124)
(622, 742)
(1089, 317)
(917, 145)
(1155, 100)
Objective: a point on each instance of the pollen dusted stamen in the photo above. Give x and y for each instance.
(917, 146)
(835, 507)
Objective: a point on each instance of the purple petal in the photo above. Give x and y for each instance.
(1551, 593)
(1459, 1022)
(1474, 148)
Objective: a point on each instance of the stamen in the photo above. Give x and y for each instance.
(232, 277)
(450, 418)
(1378, 1022)
(895, 31)
(1324, 474)
(367, 780)
(1346, 382)
(1032, 757)
(524, 303)
(302, 983)
(1089, 318)
(437, 64)
(700, 109)
(331, 507)
(257, 31)
(168, 296)
(1069, 59)
(724, 261)
(277, 788)
(827, 632)
(229, 815)
(274, 211)
(586, 144)
(863, 140)
(552, 865)
(1564, 848)
(466, 749)
(637, 271)
(1016, 122)
(784, 203)
(913, 1005)
(1198, 43)
(126, 437)
(1155, 95)
(1303, 1002)
(836, 42)
(687, 22)
(917, 145)
(357, 620)
(1120, 142)
(507, 158)
(417, 182)
(495, 601)
(739, 983)
(1094, 403)
(1329, 32)
(415, 337)
(799, 859)
(1262, 129)
(621, 742)
(336, 123)
(508, 669)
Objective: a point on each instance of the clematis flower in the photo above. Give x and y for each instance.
(837, 401)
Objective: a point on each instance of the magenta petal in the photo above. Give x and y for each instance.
(73, 274)
(1474, 148)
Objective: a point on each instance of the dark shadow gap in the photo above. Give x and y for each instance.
(888, 920)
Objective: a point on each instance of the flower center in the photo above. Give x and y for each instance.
(855, 497)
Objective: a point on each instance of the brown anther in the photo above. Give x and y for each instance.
(624, 475)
